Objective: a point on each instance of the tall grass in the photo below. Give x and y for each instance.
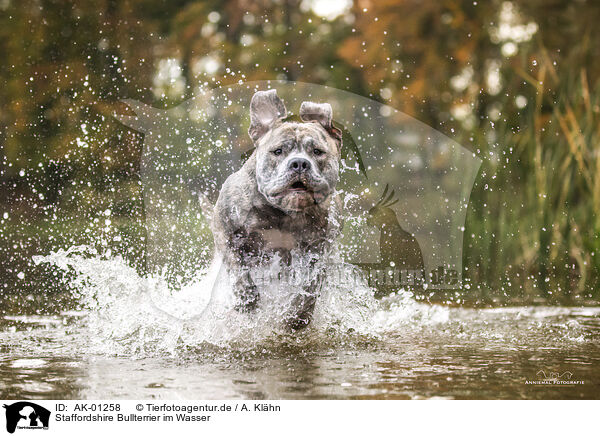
(533, 230)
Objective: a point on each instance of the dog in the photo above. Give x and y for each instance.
(282, 199)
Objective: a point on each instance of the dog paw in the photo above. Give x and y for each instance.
(246, 307)
(298, 322)
(247, 300)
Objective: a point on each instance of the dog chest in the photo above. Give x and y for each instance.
(276, 239)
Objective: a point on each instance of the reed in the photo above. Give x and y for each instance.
(533, 229)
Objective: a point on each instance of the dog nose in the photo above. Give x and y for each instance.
(299, 165)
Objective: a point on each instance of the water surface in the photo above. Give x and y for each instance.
(471, 353)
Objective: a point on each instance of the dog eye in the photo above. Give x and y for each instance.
(318, 152)
(277, 152)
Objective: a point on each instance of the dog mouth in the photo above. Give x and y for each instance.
(298, 186)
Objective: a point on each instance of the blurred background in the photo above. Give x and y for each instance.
(515, 82)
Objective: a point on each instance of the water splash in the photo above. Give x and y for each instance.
(135, 315)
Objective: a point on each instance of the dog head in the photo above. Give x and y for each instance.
(297, 164)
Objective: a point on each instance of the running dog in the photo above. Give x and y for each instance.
(282, 199)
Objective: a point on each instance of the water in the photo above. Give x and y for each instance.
(134, 338)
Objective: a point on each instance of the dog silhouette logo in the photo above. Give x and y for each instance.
(397, 247)
(26, 415)
(396, 244)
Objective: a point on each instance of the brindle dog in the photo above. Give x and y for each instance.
(282, 199)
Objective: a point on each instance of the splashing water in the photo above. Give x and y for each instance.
(132, 314)
(189, 342)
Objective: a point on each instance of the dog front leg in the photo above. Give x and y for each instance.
(244, 288)
(245, 291)
(303, 304)
(241, 256)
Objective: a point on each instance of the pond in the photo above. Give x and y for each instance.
(509, 353)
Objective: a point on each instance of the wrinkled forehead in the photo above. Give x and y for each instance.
(301, 133)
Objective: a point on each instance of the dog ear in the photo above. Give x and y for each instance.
(265, 109)
(322, 114)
